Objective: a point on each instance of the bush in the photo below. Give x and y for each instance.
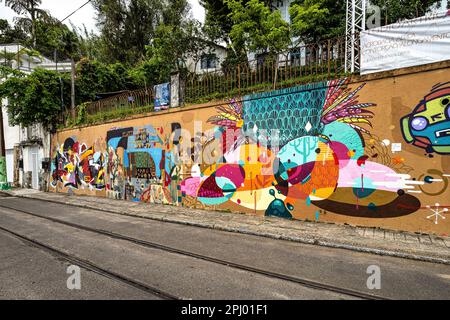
(35, 98)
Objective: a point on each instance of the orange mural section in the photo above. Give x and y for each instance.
(374, 153)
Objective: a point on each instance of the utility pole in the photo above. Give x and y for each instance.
(72, 92)
(72, 62)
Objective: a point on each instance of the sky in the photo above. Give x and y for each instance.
(86, 15)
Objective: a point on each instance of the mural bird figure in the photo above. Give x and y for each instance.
(230, 120)
(341, 104)
(229, 116)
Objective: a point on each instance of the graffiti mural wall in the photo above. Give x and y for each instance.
(75, 165)
(137, 164)
(372, 153)
(428, 126)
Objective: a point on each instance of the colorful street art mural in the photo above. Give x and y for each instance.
(428, 126)
(76, 165)
(326, 151)
(139, 166)
(321, 159)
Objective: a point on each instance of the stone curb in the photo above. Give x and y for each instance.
(304, 240)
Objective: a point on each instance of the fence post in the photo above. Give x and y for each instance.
(239, 79)
(175, 90)
(329, 61)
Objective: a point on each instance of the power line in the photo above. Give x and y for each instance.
(75, 10)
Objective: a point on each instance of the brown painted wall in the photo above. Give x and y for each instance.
(352, 176)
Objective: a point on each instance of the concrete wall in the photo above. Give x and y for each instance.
(12, 138)
(371, 151)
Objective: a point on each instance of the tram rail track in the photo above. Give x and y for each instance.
(92, 267)
(148, 244)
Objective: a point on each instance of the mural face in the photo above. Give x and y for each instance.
(428, 126)
(75, 165)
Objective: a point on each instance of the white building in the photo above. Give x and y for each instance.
(208, 60)
(12, 137)
(26, 148)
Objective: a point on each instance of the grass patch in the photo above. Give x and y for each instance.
(102, 116)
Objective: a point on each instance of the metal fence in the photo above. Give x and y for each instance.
(313, 62)
(320, 61)
(128, 100)
(123, 104)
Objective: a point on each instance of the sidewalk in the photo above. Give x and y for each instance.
(364, 239)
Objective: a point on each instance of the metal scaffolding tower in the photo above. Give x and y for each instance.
(355, 23)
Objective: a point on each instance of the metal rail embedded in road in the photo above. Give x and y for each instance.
(153, 245)
(92, 267)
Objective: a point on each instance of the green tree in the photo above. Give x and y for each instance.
(395, 10)
(33, 13)
(258, 28)
(176, 38)
(92, 77)
(218, 22)
(89, 43)
(53, 35)
(11, 34)
(111, 22)
(126, 28)
(313, 20)
(34, 98)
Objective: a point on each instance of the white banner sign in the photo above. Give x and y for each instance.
(406, 44)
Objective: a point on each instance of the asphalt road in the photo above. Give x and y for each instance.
(124, 257)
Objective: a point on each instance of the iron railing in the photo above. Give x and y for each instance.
(312, 62)
(319, 61)
(128, 100)
(117, 106)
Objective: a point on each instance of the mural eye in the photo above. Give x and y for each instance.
(419, 123)
(445, 101)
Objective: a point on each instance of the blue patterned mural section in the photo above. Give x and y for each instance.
(294, 112)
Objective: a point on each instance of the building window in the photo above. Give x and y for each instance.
(296, 56)
(261, 59)
(208, 61)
